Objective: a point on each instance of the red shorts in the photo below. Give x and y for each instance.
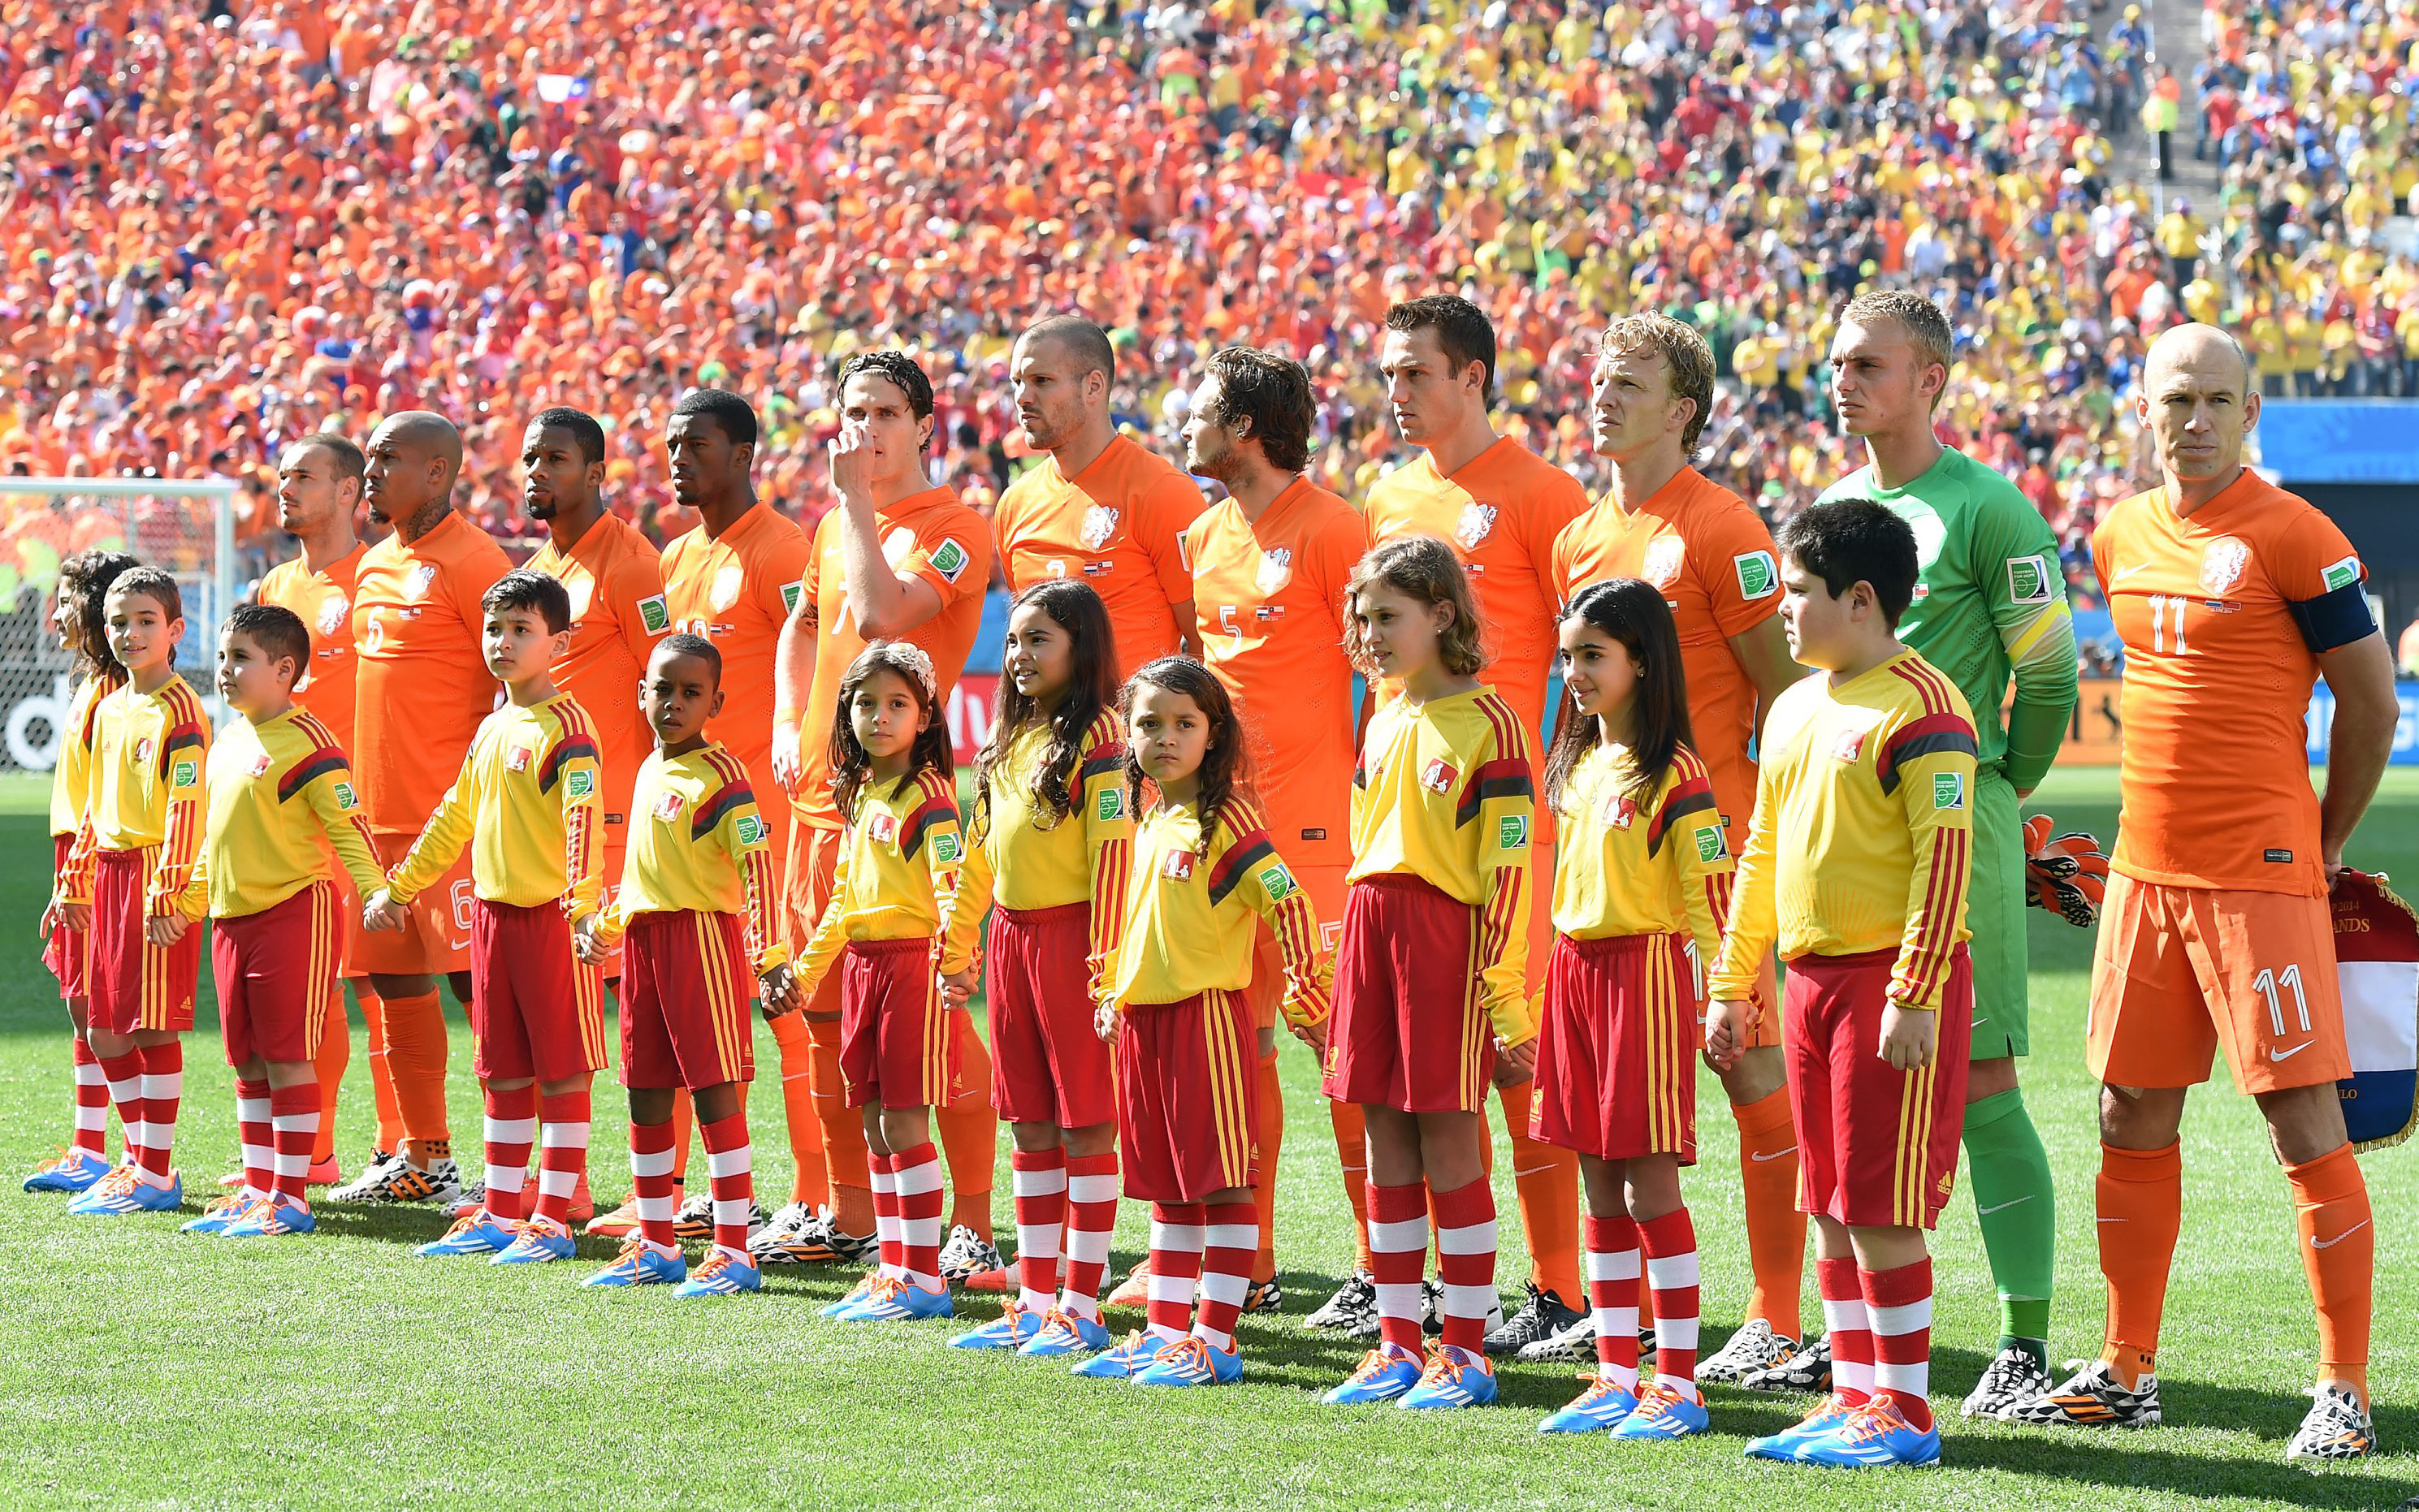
(132, 986)
(1050, 1065)
(896, 1046)
(2181, 972)
(66, 951)
(1877, 1148)
(436, 936)
(684, 992)
(536, 1009)
(1409, 1030)
(1189, 1123)
(1617, 1048)
(275, 969)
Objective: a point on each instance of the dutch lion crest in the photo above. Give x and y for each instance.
(1477, 521)
(1099, 522)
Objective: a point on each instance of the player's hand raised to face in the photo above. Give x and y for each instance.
(851, 460)
(1910, 1037)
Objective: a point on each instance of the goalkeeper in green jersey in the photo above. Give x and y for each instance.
(1990, 607)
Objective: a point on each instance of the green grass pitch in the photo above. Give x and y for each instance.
(146, 1368)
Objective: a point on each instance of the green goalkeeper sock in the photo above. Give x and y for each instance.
(2017, 1207)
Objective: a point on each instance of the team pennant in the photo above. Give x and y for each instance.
(2377, 963)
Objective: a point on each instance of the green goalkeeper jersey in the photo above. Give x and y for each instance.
(1990, 605)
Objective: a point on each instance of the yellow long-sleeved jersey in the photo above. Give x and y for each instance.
(1622, 866)
(698, 842)
(73, 774)
(1022, 856)
(1444, 792)
(527, 804)
(1192, 909)
(144, 789)
(898, 859)
(276, 787)
(1863, 832)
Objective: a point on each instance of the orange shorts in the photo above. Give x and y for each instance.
(1324, 887)
(435, 938)
(814, 863)
(2181, 972)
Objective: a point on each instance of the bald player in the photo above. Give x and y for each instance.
(420, 690)
(318, 488)
(615, 580)
(1711, 557)
(899, 560)
(2232, 598)
(1100, 507)
(1501, 506)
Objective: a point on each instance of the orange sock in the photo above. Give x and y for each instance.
(2339, 1253)
(415, 1057)
(844, 1154)
(1547, 1179)
(794, 1038)
(335, 1054)
(390, 1117)
(1271, 1108)
(969, 1130)
(1352, 1155)
(684, 1119)
(2140, 1195)
(1776, 1231)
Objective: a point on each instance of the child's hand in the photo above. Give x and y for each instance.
(1910, 1037)
(1104, 1020)
(59, 915)
(164, 930)
(1728, 1024)
(957, 987)
(786, 765)
(780, 988)
(1314, 1035)
(585, 944)
(1515, 1064)
(380, 913)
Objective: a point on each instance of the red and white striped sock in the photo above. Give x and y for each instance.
(1899, 1302)
(563, 1159)
(1465, 1233)
(1091, 1216)
(1671, 1245)
(163, 1088)
(1851, 1328)
(1229, 1246)
(891, 1260)
(651, 1179)
(1398, 1249)
(730, 1165)
(512, 1128)
(1612, 1264)
(254, 1133)
(917, 1172)
(1038, 1178)
(123, 1075)
(294, 1125)
(1178, 1232)
(91, 1102)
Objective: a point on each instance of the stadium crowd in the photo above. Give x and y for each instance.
(225, 231)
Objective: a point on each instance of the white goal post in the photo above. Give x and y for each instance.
(185, 525)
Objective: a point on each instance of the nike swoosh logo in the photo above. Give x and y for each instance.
(2274, 1054)
(2112, 1220)
(1981, 1019)
(2316, 1242)
(1760, 1158)
(2011, 1203)
(2125, 572)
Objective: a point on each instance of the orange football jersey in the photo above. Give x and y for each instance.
(1269, 597)
(930, 535)
(324, 603)
(1116, 527)
(1714, 560)
(423, 685)
(1500, 513)
(736, 590)
(619, 610)
(2218, 675)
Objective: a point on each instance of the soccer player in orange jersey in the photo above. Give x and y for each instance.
(421, 687)
(1100, 506)
(899, 560)
(1711, 557)
(1269, 563)
(1501, 506)
(319, 487)
(2232, 598)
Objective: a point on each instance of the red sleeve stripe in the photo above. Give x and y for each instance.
(565, 751)
(326, 761)
(1496, 779)
(725, 766)
(1928, 736)
(1692, 794)
(933, 811)
(1246, 851)
(1102, 759)
(1929, 685)
(713, 810)
(1512, 740)
(1943, 890)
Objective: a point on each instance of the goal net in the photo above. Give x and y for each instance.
(187, 525)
